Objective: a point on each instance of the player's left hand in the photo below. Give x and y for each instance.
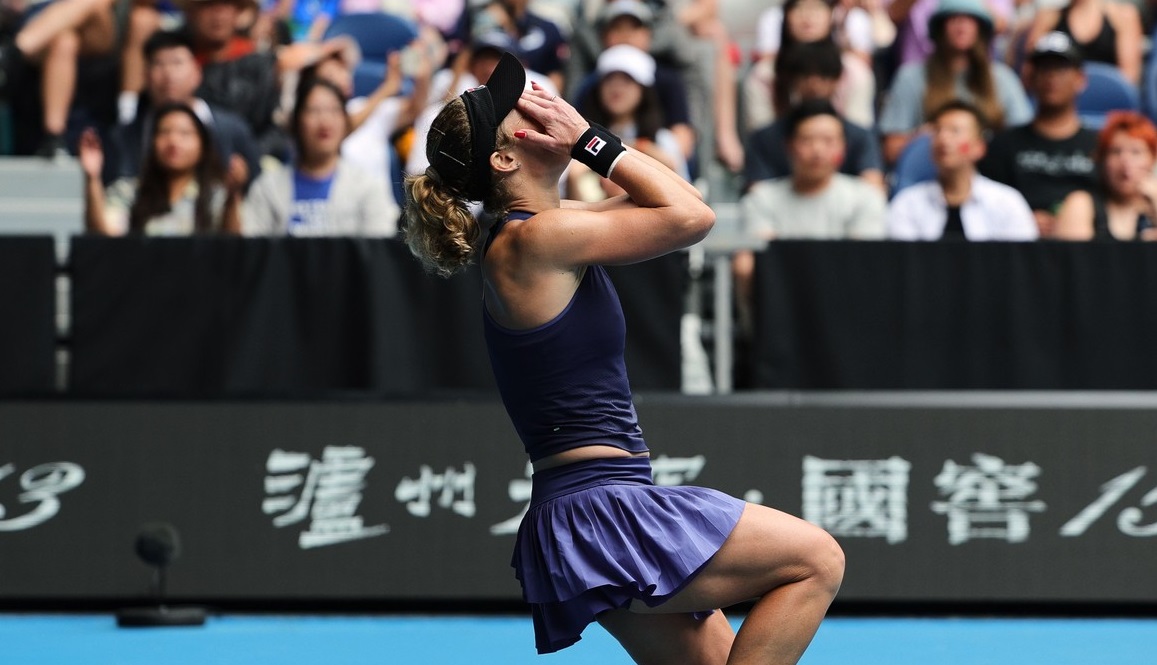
(563, 124)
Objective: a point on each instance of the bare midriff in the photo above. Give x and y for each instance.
(581, 455)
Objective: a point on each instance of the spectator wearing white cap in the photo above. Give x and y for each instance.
(624, 100)
(631, 22)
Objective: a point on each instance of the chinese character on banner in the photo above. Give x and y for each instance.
(988, 500)
(328, 491)
(455, 490)
(41, 484)
(519, 492)
(857, 498)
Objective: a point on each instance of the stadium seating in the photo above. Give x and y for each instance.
(377, 35)
(914, 164)
(1149, 84)
(1108, 90)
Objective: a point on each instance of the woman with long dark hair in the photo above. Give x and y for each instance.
(600, 541)
(766, 85)
(960, 67)
(182, 188)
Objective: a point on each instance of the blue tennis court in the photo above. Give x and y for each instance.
(357, 640)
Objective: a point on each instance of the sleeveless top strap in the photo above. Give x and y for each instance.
(1102, 47)
(1100, 218)
(498, 224)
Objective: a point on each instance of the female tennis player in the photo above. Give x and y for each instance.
(601, 542)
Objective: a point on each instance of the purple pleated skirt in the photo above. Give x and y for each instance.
(600, 534)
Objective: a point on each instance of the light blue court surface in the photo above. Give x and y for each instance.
(290, 640)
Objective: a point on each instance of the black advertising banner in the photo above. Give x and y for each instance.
(956, 316)
(954, 499)
(285, 317)
(27, 316)
(288, 501)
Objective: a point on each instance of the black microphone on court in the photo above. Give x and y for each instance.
(158, 544)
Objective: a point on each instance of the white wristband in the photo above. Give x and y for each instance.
(615, 163)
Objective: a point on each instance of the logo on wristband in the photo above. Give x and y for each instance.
(595, 145)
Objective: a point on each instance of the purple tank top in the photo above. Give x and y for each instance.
(564, 383)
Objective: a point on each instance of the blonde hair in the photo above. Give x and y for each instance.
(941, 82)
(440, 229)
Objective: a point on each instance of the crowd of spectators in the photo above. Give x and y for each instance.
(277, 117)
(977, 127)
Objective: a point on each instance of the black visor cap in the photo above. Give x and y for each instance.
(486, 107)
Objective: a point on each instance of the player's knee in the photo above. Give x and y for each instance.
(826, 560)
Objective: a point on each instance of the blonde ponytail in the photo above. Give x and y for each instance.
(440, 230)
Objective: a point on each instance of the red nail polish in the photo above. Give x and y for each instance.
(520, 134)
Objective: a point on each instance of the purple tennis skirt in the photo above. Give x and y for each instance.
(600, 534)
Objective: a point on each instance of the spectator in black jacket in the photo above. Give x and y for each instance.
(242, 77)
(172, 76)
(235, 74)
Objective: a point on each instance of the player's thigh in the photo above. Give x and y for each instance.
(767, 549)
(663, 639)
